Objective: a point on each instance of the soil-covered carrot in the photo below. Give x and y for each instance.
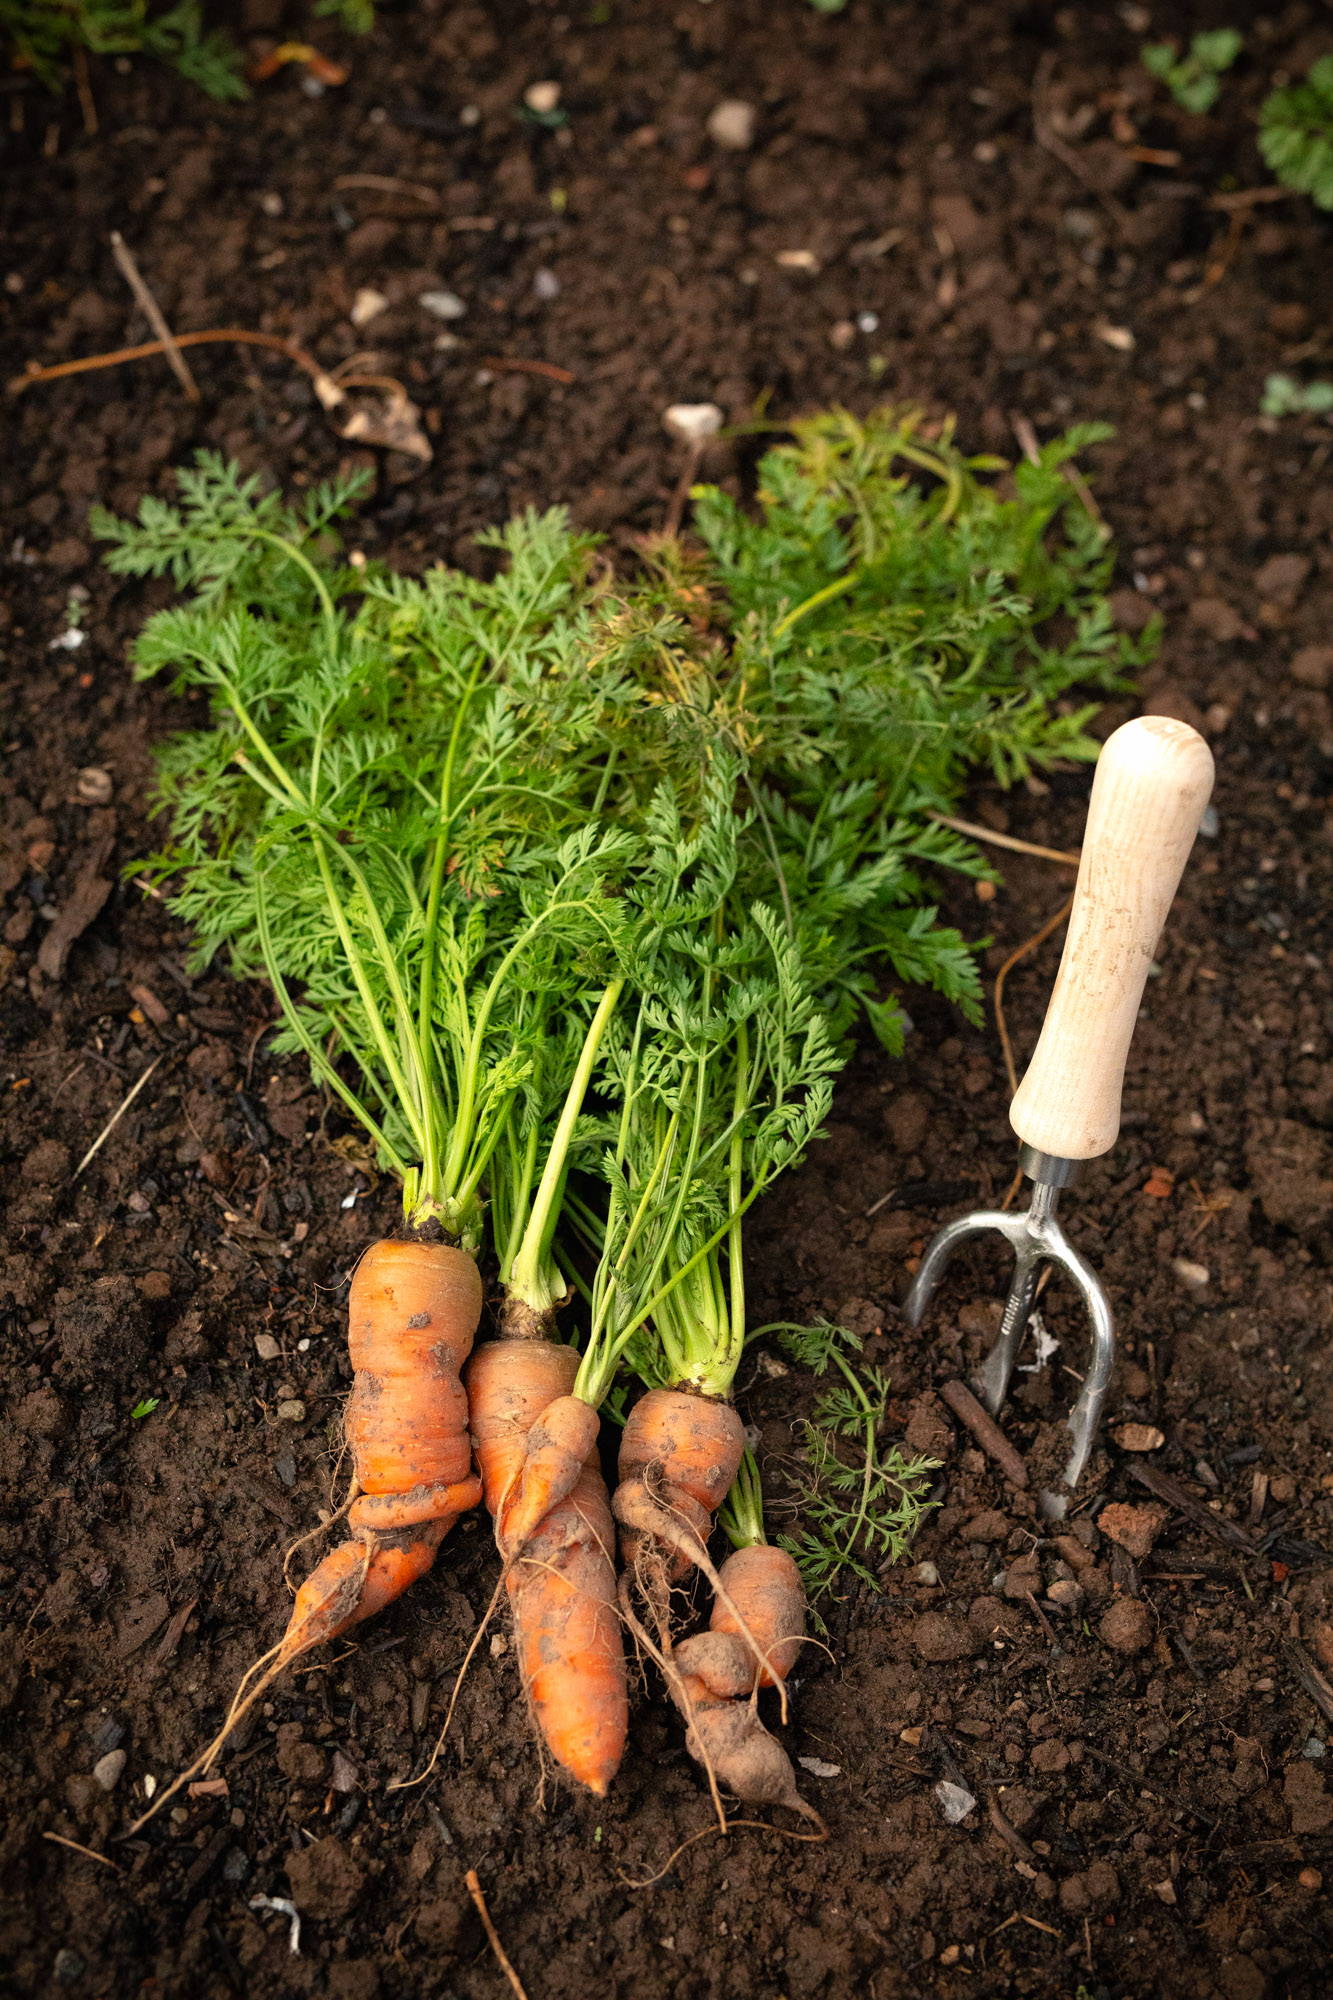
(754, 1637)
(559, 1557)
(412, 1314)
(536, 1448)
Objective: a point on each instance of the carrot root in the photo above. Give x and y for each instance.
(536, 1448)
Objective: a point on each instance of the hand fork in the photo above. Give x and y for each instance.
(1151, 786)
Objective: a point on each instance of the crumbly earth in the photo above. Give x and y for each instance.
(940, 203)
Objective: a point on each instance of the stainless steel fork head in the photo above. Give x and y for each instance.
(1037, 1239)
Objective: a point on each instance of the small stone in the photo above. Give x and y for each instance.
(499, 1645)
(69, 1967)
(543, 98)
(1065, 1594)
(1126, 1626)
(292, 1411)
(1135, 1528)
(1118, 337)
(692, 423)
(367, 305)
(266, 1347)
(926, 1573)
(107, 1770)
(817, 1767)
(955, 1802)
(797, 260)
(93, 786)
(732, 124)
(235, 1865)
(1310, 1878)
(1193, 1276)
(545, 284)
(442, 305)
(841, 335)
(938, 1638)
(1165, 1892)
(1312, 667)
(1138, 1437)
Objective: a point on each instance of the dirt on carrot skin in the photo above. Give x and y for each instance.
(1153, 1807)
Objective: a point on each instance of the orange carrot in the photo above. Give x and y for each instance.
(679, 1454)
(536, 1447)
(412, 1312)
(756, 1630)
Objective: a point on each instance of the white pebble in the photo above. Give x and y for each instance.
(545, 284)
(926, 1573)
(954, 1802)
(798, 260)
(542, 98)
(107, 1770)
(818, 1768)
(1196, 1276)
(266, 1347)
(692, 423)
(367, 305)
(731, 124)
(444, 305)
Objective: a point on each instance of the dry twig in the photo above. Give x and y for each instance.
(1029, 944)
(1066, 857)
(986, 1432)
(492, 1935)
(152, 312)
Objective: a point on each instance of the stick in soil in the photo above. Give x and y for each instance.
(115, 1119)
(1029, 944)
(1066, 857)
(153, 313)
(502, 1958)
(986, 1432)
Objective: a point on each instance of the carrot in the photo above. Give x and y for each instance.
(679, 1454)
(412, 1314)
(759, 1611)
(536, 1447)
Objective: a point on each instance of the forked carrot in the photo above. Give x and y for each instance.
(535, 1442)
(544, 1487)
(412, 1316)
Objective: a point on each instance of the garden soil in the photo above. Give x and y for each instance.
(987, 210)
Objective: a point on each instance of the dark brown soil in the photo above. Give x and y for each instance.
(1154, 1810)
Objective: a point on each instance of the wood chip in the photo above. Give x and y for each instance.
(1139, 1437)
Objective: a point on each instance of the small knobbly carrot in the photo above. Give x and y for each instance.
(754, 1635)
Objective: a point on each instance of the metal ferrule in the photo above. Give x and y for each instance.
(1047, 1169)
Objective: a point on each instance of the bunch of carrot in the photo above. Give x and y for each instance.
(569, 893)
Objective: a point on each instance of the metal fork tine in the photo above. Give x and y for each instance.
(998, 1367)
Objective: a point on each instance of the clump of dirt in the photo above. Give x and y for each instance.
(989, 210)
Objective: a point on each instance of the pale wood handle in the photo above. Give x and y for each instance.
(1152, 783)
